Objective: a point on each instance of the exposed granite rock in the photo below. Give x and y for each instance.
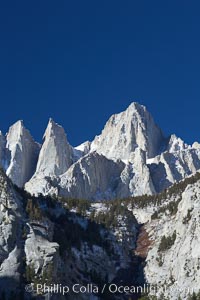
(177, 266)
(126, 131)
(21, 154)
(92, 177)
(56, 154)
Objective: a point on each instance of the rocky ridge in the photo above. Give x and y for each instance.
(147, 232)
(130, 157)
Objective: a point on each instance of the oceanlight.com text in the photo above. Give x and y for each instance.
(112, 288)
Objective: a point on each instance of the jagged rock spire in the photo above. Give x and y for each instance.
(56, 154)
(21, 154)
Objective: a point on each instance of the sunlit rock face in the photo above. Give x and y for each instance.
(56, 154)
(94, 176)
(177, 264)
(21, 154)
(126, 131)
(130, 157)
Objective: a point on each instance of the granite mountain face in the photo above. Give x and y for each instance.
(55, 226)
(130, 157)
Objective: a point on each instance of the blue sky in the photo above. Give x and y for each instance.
(81, 61)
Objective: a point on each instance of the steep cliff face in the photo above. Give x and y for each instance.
(55, 157)
(92, 177)
(171, 223)
(136, 177)
(68, 240)
(64, 239)
(56, 153)
(126, 131)
(96, 177)
(176, 144)
(42, 241)
(10, 236)
(131, 157)
(173, 166)
(21, 154)
(150, 161)
(174, 257)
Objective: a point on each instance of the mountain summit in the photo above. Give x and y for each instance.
(56, 153)
(126, 131)
(134, 158)
(19, 154)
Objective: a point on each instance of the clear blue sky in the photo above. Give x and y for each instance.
(81, 61)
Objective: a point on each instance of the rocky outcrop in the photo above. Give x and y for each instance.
(96, 177)
(21, 154)
(92, 177)
(135, 177)
(173, 260)
(46, 242)
(82, 149)
(56, 154)
(176, 144)
(10, 236)
(42, 254)
(171, 167)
